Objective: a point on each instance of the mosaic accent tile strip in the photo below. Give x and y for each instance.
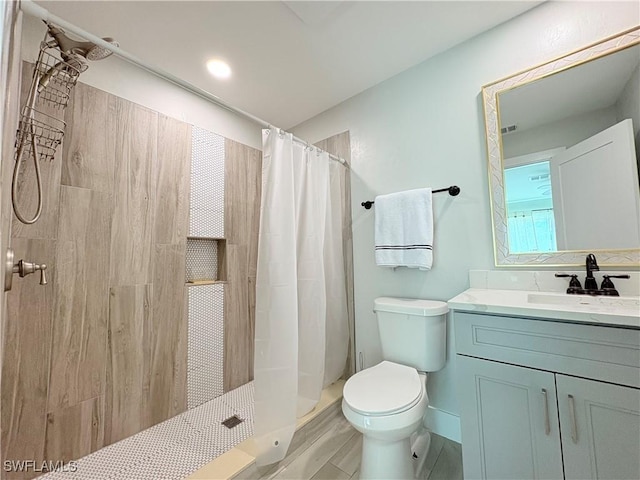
(206, 217)
(171, 450)
(205, 344)
(202, 259)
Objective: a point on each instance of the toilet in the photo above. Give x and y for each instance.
(387, 402)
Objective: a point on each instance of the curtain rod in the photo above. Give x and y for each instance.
(35, 10)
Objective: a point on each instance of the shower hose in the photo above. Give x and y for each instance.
(33, 95)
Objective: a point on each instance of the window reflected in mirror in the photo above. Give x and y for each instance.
(530, 208)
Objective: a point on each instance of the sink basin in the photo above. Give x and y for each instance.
(566, 299)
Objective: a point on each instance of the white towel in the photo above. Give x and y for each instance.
(404, 229)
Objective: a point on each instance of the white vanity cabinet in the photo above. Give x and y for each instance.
(600, 425)
(509, 421)
(547, 399)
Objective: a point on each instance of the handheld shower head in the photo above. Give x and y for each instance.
(88, 50)
(74, 54)
(97, 52)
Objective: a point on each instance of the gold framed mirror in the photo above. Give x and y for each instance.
(563, 146)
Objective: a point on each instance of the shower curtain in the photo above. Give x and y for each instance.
(301, 331)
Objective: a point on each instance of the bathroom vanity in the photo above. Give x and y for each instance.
(549, 384)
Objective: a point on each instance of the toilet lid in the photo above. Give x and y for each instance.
(386, 388)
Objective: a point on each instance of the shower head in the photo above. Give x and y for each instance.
(98, 53)
(69, 47)
(74, 54)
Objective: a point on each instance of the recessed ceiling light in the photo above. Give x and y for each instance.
(219, 68)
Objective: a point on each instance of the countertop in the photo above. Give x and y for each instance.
(602, 310)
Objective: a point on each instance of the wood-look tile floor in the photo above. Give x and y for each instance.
(336, 456)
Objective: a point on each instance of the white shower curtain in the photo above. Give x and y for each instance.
(301, 326)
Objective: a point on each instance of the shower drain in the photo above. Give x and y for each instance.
(232, 421)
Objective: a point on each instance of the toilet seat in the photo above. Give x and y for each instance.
(384, 389)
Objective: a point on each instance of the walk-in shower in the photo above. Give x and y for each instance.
(60, 62)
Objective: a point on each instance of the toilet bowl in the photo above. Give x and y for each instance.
(387, 402)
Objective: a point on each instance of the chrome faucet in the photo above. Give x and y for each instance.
(591, 266)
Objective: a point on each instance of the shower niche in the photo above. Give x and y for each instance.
(205, 262)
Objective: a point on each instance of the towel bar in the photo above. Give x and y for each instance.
(453, 191)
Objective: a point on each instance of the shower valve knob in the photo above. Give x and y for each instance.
(43, 275)
(23, 269)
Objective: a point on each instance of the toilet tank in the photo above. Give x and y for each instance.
(413, 332)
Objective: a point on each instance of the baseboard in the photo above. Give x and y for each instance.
(443, 423)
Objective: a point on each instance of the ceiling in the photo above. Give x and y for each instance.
(290, 60)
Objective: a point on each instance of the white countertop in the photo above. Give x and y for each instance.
(604, 310)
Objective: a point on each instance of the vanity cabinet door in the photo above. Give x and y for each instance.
(509, 421)
(600, 426)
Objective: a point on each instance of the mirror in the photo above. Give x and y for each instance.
(563, 142)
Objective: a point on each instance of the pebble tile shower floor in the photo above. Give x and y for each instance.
(172, 449)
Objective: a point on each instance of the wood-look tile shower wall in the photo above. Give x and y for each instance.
(99, 353)
(243, 187)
